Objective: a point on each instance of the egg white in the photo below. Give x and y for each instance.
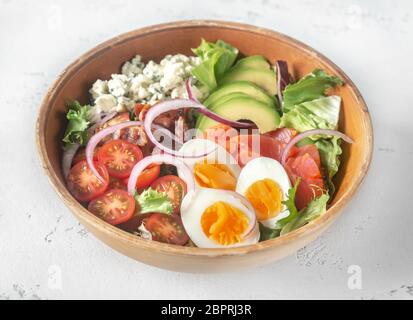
(265, 168)
(194, 205)
(220, 155)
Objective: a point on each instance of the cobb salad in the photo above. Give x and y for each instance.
(212, 150)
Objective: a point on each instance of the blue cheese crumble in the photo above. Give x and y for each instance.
(143, 83)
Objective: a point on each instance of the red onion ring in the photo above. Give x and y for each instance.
(177, 104)
(185, 173)
(188, 86)
(67, 159)
(308, 133)
(95, 139)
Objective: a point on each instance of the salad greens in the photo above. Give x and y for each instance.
(76, 130)
(314, 209)
(216, 59)
(151, 200)
(330, 152)
(296, 219)
(322, 113)
(310, 87)
(306, 107)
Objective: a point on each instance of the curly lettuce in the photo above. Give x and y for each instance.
(216, 59)
(314, 209)
(151, 200)
(76, 130)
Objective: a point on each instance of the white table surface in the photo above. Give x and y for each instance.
(40, 239)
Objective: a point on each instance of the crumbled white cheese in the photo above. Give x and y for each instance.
(106, 102)
(140, 83)
(119, 85)
(99, 88)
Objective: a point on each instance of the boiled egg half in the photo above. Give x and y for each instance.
(217, 170)
(219, 219)
(265, 183)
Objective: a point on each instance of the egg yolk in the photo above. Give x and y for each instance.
(266, 197)
(214, 175)
(224, 223)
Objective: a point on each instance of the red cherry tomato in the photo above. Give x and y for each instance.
(119, 157)
(174, 187)
(115, 206)
(167, 229)
(145, 179)
(83, 184)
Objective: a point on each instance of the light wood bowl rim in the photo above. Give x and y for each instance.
(137, 242)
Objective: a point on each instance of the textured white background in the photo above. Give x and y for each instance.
(370, 40)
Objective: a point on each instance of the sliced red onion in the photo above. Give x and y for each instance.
(95, 139)
(283, 79)
(309, 133)
(184, 172)
(67, 159)
(177, 104)
(188, 85)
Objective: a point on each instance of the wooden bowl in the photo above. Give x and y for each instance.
(179, 37)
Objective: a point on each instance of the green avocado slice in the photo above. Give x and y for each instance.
(266, 79)
(243, 108)
(245, 87)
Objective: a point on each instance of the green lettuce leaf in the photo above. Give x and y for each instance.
(322, 113)
(330, 152)
(76, 130)
(290, 204)
(216, 59)
(268, 233)
(315, 208)
(151, 200)
(312, 86)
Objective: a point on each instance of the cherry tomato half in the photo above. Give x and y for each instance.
(167, 229)
(83, 184)
(115, 206)
(148, 176)
(174, 187)
(119, 157)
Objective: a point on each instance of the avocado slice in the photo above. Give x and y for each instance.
(256, 62)
(243, 108)
(227, 97)
(266, 79)
(245, 87)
